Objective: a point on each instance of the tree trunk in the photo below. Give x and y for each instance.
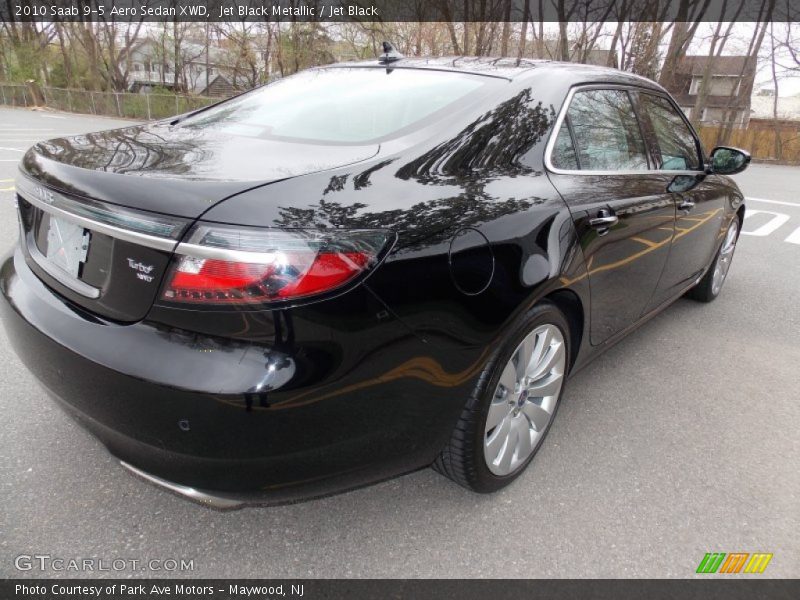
(207, 65)
(176, 50)
(563, 34)
(65, 55)
(523, 37)
(540, 38)
(506, 34)
(778, 149)
(451, 29)
(611, 60)
(705, 82)
(746, 91)
(677, 43)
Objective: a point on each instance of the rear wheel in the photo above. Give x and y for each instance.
(711, 284)
(510, 412)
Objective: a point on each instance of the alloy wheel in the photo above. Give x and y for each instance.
(525, 400)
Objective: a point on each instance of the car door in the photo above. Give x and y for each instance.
(599, 162)
(699, 199)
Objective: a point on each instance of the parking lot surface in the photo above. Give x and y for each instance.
(681, 440)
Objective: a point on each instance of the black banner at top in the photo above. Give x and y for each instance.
(399, 10)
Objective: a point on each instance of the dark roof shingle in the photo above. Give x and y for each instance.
(720, 65)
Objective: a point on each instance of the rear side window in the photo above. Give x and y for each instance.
(564, 156)
(605, 134)
(340, 105)
(677, 143)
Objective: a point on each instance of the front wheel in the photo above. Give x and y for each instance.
(510, 412)
(710, 285)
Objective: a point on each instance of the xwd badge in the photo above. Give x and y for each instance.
(142, 270)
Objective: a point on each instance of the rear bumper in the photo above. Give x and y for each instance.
(210, 499)
(230, 420)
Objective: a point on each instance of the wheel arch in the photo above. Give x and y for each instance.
(570, 304)
(740, 214)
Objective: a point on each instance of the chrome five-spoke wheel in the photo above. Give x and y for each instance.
(723, 263)
(525, 399)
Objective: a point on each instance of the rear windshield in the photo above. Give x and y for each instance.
(340, 105)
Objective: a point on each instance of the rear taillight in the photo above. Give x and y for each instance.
(224, 264)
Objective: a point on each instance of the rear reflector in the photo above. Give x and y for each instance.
(223, 264)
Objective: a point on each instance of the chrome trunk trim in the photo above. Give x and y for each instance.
(23, 185)
(199, 496)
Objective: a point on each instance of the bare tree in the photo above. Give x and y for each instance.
(28, 43)
(719, 38)
(687, 19)
(746, 88)
(118, 40)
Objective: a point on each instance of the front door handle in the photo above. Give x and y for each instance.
(604, 220)
(686, 205)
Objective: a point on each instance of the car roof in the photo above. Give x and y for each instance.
(509, 69)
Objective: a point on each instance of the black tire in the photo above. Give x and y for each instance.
(704, 290)
(462, 459)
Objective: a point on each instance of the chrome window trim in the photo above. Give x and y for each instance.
(142, 239)
(551, 142)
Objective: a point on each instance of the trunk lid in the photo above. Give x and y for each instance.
(101, 213)
(177, 171)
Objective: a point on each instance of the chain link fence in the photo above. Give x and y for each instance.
(15, 95)
(111, 104)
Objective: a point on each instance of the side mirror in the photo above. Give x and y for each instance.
(728, 161)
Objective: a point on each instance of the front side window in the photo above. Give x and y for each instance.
(605, 132)
(676, 141)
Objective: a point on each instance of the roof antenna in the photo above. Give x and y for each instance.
(389, 55)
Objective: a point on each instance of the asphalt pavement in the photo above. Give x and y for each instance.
(681, 440)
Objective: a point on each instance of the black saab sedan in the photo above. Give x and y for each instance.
(360, 270)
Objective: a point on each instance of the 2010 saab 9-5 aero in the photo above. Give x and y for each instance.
(360, 270)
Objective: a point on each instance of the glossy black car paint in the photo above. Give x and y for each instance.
(358, 386)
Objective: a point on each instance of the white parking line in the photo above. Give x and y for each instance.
(12, 149)
(770, 226)
(781, 202)
(794, 237)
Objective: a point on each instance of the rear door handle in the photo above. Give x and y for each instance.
(686, 205)
(604, 220)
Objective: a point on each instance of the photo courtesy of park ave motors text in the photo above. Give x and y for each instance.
(486, 289)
